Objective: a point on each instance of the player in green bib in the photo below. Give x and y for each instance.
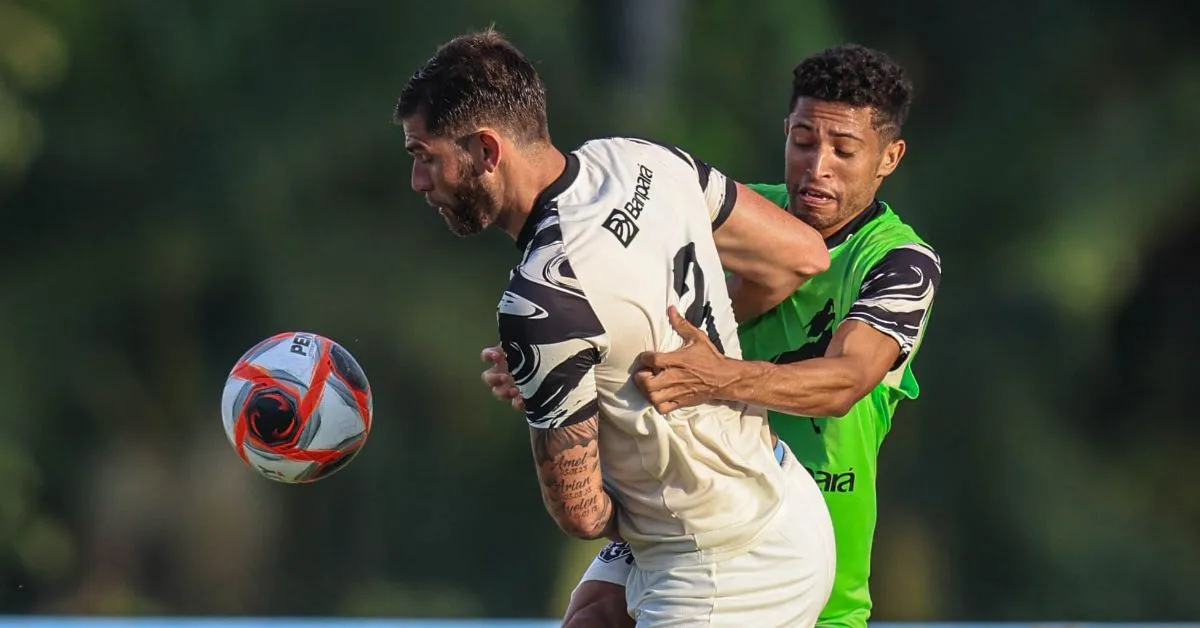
(832, 361)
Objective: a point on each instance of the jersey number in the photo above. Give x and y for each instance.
(699, 313)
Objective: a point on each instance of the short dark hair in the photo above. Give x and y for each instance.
(860, 77)
(473, 80)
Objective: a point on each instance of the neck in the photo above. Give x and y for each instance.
(832, 230)
(829, 231)
(529, 173)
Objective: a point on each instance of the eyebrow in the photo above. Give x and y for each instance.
(841, 134)
(413, 146)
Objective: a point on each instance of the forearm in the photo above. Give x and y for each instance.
(568, 467)
(764, 244)
(821, 387)
(751, 300)
(588, 517)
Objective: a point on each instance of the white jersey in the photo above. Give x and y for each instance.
(625, 232)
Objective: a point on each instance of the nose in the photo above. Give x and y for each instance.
(421, 181)
(818, 166)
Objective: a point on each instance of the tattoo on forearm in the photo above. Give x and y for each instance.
(568, 463)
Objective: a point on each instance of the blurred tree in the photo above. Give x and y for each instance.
(180, 180)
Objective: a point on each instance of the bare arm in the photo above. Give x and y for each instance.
(751, 300)
(568, 468)
(770, 251)
(884, 324)
(856, 361)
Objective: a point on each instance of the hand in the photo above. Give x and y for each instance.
(504, 388)
(684, 377)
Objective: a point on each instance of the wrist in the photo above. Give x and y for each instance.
(743, 378)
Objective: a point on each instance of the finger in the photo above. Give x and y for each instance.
(644, 380)
(492, 377)
(645, 359)
(498, 375)
(665, 407)
(681, 325)
(494, 355)
(666, 390)
(518, 404)
(655, 361)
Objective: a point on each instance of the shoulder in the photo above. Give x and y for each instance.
(890, 228)
(918, 254)
(887, 235)
(912, 267)
(551, 336)
(544, 301)
(623, 148)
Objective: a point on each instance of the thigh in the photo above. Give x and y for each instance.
(597, 604)
(683, 596)
(784, 582)
(787, 578)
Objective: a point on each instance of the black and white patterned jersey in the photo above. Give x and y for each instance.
(624, 232)
(896, 296)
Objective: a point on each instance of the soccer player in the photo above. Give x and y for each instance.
(835, 358)
(727, 528)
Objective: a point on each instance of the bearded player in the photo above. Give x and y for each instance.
(727, 528)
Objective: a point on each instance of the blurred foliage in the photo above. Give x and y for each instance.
(180, 180)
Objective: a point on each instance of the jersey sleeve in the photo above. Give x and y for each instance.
(897, 294)
(552, 338)
(720, 192)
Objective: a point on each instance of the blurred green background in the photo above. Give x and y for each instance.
(179, 180)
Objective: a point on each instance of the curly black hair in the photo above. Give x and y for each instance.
(860, 77)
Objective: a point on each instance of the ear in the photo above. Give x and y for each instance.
(486, 151)
(892, 154)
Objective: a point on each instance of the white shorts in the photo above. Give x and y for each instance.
(784, 581)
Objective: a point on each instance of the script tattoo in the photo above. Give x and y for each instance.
(568, 465)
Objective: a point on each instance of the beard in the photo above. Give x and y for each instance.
(816, 220)
(473, 208)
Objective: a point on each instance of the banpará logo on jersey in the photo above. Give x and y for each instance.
(622, 222)
(831, 482)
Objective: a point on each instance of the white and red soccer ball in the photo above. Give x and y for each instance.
(297, 407)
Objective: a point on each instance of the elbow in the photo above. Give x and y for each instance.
(838, 408)
(581, 528)
(806, 263)
(840, 403)
(588, 523)
(813, 263)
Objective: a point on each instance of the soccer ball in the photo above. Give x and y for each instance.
(297, 407)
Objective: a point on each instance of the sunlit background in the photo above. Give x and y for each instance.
(179, 180)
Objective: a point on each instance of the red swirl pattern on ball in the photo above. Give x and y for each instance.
(261, 378)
